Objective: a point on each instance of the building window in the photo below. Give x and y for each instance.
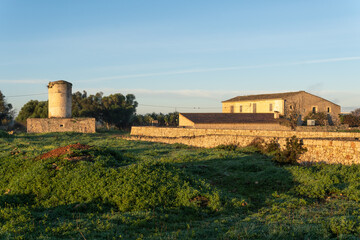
(314, 110)
(254, 108)
(270, 107)
(232, 109)
(328, 109)
(241, 108)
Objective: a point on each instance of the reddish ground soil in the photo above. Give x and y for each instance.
(65, 150)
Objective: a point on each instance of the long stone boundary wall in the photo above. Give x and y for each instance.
(327, 147)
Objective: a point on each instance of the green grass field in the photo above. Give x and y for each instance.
(139, 190)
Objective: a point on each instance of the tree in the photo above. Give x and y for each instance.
(116, 109)
(356, 112)
(168, 120)
(172, 119)
(33, 109)
(6, 112)
(119, 110)
(87, 106)
(292, 115)
(351, 120)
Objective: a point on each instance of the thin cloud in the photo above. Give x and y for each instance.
(210, 94)
(187, 71)
(201, 70)
(216, 96)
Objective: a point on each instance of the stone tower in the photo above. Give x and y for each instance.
(59, 119)
(60, 97)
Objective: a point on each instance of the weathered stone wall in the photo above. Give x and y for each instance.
(43, 125)
(328, 147)
(245, 126)
(194, 132)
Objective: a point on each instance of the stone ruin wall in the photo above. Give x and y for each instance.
(44, 125)
(244, 126)
(327, 147)
(59, 115)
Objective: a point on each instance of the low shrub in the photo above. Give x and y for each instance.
(321, 118)
(258, 143)
(229, 147)
(105, 179)
(272, 146)
(351, 120)
(4, 134)
(294, 147)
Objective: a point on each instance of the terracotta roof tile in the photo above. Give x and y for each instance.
(263, 96)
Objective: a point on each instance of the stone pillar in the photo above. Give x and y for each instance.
(60, 97)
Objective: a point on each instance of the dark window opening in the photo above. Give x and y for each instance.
(61, 125)
(232, 109)
(328, 109)
(270, 107)
(314, 109)
(241, 108)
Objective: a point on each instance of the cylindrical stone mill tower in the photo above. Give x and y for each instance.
(60, 97)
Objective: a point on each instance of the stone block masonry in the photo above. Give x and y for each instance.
(43, 125)
(327, 147)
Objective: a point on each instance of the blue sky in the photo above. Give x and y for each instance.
(181, 55)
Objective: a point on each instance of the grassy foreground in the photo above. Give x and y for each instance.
(140, 190)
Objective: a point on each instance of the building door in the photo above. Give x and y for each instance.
(231, 109)
(254, 108)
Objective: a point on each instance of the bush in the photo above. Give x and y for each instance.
(351, 120)
(229, 147)
(272, 146)
(258, 143)
(293, 149)
(321, 118)
(4, 134)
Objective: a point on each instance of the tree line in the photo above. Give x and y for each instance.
(119, 111)
(115, 110)
(6, 111)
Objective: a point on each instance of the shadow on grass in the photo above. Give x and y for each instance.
(14, 200)
(253, 177)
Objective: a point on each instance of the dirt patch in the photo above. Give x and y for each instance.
(69, 151)
(201, 201)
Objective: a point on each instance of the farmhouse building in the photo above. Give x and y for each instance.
(302, 102)
(261, 111)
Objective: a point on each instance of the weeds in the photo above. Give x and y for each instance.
(140, 190)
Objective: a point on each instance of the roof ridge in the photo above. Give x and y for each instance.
(267, 95)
